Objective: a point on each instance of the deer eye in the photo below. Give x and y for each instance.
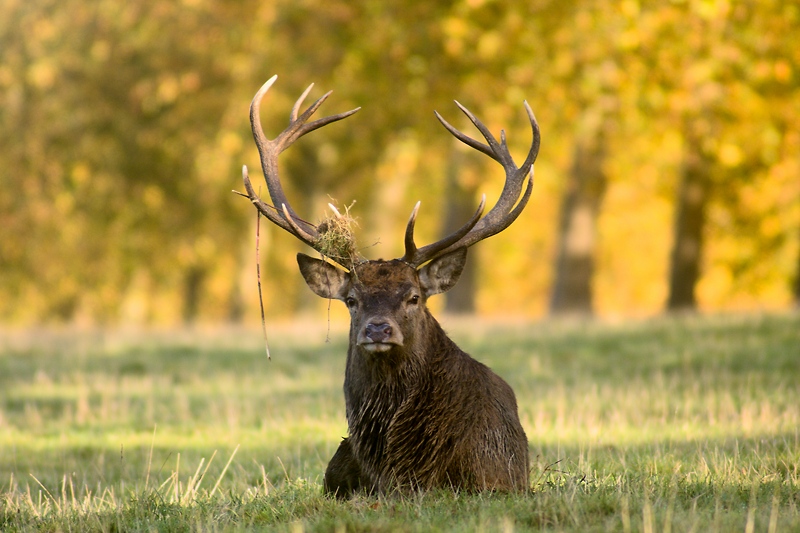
(414, 300)
(350, 302)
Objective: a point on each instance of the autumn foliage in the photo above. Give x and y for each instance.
(124, 127)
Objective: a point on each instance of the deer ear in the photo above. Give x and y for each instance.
(441, 274)
(322, 277)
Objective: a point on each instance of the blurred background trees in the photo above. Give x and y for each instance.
(669, 176)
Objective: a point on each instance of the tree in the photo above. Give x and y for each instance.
(460, 191)
(690, 219)
(572, 289)
(592, 82)
(124, 127)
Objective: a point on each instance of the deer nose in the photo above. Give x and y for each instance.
(379, 332)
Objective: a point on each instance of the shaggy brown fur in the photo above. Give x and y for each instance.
(421, 413)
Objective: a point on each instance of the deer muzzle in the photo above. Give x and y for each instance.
(380, 335)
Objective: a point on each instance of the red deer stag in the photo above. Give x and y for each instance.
(421, 413)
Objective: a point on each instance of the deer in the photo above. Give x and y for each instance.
(421, 413)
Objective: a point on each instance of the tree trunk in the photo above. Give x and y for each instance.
(236, 305)
(572, 290)
(192, 288)
(688, 232)
(459, 206)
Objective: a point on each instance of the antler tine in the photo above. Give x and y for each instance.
(299, 102)
(469, 141)
(296, 229)
(537, 138)
(298, 127)
(282, 213)
(412, 256)
(508, 207)
(411, 248)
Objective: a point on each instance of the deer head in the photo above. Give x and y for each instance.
(375, 291)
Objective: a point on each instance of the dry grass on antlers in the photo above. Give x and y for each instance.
(336, 237)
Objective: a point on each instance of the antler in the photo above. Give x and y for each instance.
(508, 206)
(281, 212)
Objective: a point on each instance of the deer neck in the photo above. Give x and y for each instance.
(380, 383)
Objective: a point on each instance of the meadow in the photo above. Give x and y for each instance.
(684, 423)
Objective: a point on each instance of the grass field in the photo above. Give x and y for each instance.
(674, 424)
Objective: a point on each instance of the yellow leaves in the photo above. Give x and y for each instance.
(783, 71)
(328, 154)
(700, 72)
(730, 155)
(771, 226)
(44, 30)
(64, 203)
(462, 33)
(199, 251)
(629, 39)
(644, 69)
(735, 276)
(489, 44)
(80, 174)
(584, 20)
(455, 30)
(205, 248)
(100, 51)
(779, 70)
(153, 197)
(514, 94)
(7, 76)
(630, 8)
(711, 9)
(168, 89)
(42, 74)
(190, 81)
(417, 66)
(633, 245)
(762, 70)
(564, 63)
(230, 142)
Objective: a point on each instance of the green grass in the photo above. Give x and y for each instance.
(675, 424)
